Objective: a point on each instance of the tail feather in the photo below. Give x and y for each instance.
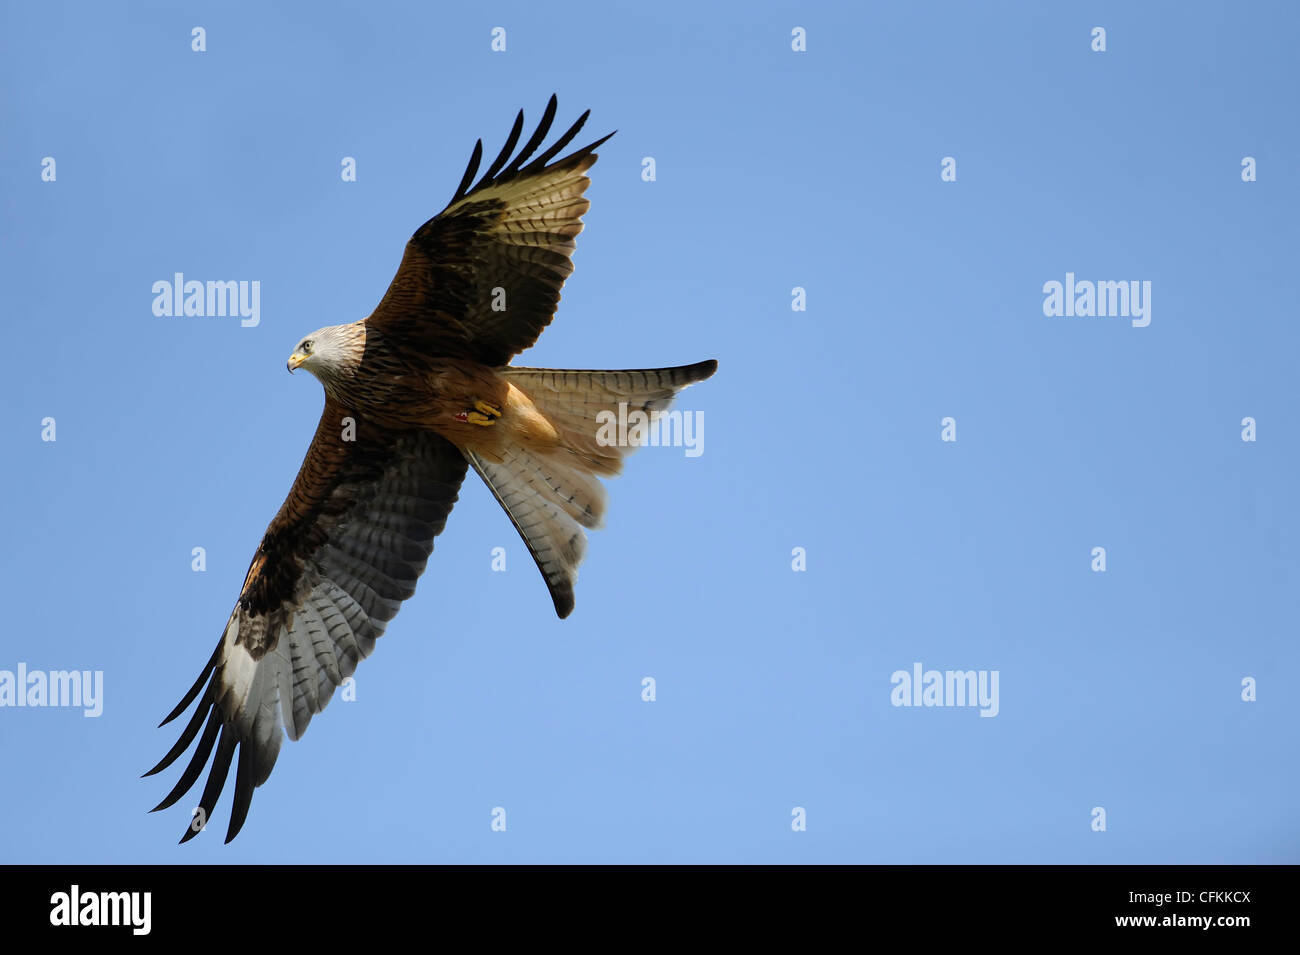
(554, 537)
(551, 492)
(572, 400)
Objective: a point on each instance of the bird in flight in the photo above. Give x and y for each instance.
(416, 394)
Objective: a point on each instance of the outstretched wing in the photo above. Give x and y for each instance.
(333, 568)
(482, 278)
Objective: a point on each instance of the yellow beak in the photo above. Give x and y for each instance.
(295, 361)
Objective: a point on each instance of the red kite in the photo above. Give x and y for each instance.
(415, 394)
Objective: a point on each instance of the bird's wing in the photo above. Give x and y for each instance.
(482, 278)
(333, 568)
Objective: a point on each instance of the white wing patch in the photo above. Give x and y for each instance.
(348, 589)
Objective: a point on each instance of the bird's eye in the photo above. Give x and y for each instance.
(306, 347)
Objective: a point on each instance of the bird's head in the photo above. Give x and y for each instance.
(330, 352)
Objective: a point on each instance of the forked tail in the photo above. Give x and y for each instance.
(550, 489)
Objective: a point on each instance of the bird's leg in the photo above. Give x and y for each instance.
(483, 414)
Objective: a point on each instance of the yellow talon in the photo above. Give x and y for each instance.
(475, 418)
(487, 409)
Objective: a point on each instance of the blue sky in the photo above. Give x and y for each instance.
(774, 169)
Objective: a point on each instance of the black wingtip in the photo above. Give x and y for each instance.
(216, 780)
(535, 140)
(503, 168)
(554, 150)
(475, 158)
(196, 764)
(504, 155)
(194, 690)
(187, 735)
(244, 787)
(590, 148)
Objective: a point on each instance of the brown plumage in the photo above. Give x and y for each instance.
(416, 393)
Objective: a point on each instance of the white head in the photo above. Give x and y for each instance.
(331, 352)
